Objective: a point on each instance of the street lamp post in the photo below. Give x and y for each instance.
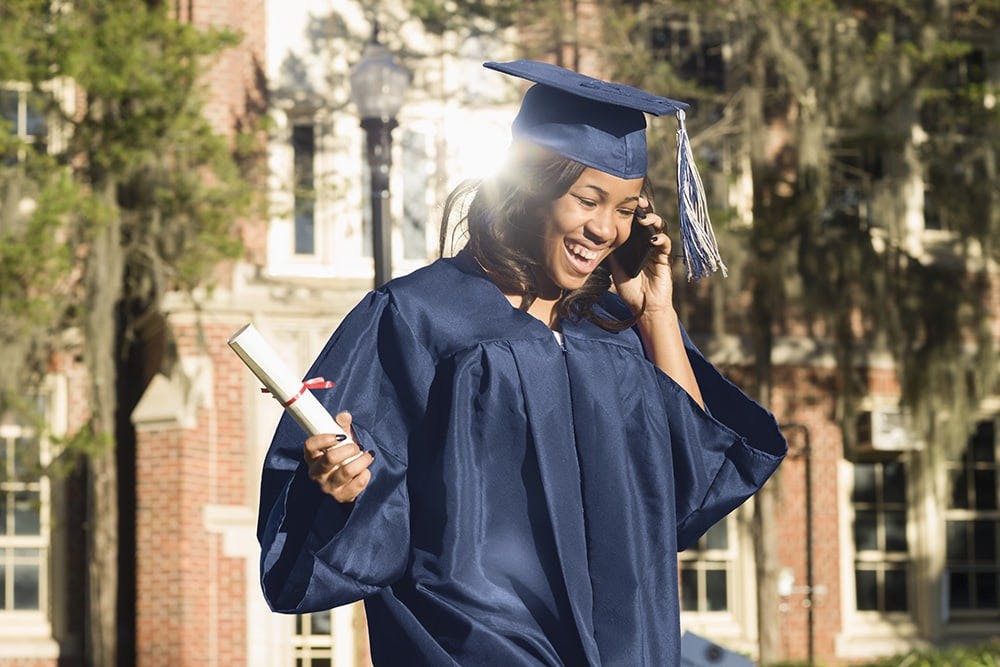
(378, 84)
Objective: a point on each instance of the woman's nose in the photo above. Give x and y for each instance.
(600, 228)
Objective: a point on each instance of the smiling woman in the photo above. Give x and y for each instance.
(509, 496)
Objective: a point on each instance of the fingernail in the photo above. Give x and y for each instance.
(340, 437)
(371, 453)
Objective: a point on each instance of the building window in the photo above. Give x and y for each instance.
(705, 571)
(972, 525)
(303, 159)
(881, 556)
(24, 114)
(314, 640)
(23, 521)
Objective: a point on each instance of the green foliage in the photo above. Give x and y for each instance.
(439, 16)
(979, 655)
(852, 275)
(37, 199)
(118, 82)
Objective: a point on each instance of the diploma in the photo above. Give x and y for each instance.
(292, 392)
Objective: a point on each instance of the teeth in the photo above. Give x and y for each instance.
(582, 252)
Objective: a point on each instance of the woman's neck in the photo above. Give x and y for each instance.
(543, 310)
(543, 307)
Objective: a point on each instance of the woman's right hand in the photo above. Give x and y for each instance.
(339, 467)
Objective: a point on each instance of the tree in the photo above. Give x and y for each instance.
(846, 108)
(137, 196)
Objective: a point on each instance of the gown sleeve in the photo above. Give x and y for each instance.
(721, 455)
(317, 553)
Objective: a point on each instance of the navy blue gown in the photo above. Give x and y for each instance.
(527, 502)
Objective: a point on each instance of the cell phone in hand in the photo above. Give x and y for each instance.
(632, 254)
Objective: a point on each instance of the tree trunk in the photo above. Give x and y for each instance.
(765, 285)
(766, 547)
(104, 285)
(766, 503)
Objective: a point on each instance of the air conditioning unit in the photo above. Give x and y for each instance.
(887, 429)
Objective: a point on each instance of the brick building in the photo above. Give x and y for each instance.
(872, 559)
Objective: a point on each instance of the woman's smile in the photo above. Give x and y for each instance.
(582, 258)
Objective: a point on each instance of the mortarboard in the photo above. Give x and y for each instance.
(603, 125)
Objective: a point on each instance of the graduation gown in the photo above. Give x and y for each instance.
(527, 501)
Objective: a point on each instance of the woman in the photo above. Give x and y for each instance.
(544, 446)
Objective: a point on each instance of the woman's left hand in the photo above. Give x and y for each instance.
(654, 284)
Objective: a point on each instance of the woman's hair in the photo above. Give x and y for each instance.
(504, 224)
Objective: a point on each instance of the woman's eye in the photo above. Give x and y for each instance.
(626, 212)
(589, 203)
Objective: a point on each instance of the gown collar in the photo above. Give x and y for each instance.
(466, 262)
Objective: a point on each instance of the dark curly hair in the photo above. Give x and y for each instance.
(503, 224)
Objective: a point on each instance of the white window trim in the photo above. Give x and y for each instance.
(870, 634)
(339, 646)
(965, 624)
(338, 213)
(735, 628)
(64, 91)
(28, 634)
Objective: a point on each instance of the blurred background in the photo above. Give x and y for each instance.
(170, 170)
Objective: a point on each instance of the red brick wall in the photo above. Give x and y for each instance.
(235, 79)
(161, 545)
(191, 598)
(803, 402)
(235, 82)
(805, 397)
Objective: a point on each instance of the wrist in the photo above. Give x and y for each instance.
(664, 316)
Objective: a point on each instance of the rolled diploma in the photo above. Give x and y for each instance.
(283, 384)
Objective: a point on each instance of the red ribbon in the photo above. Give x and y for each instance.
(311, 383)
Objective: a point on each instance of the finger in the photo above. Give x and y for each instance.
(344, 421)
(329, 461)
(352, 489)
(316, 445)
(351, 468)
(339, 456)
(662, 241)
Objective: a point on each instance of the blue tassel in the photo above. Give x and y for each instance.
(701, 251)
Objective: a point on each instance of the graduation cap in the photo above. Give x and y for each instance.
(603, 125)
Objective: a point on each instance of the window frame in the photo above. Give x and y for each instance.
(968, 514)
(303, 183)
(881, 559)
(339, 647)
(701, 559)
(736, 627)
(10, 542)
(341, 205)
(21, 123)
(28, 634)
(863, 633)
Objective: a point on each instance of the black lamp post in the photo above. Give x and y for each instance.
(378, 84)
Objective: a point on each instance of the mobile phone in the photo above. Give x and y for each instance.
(632, 254)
